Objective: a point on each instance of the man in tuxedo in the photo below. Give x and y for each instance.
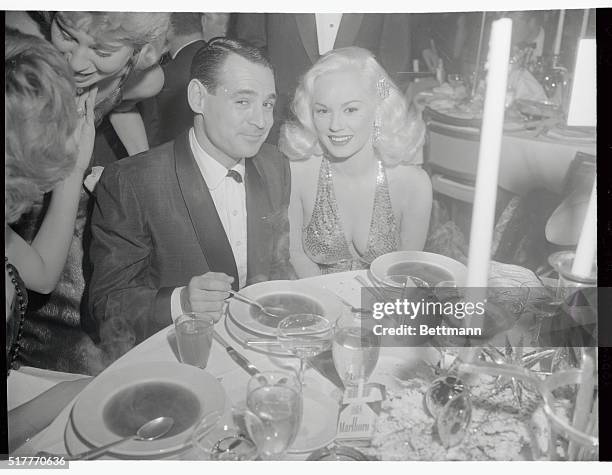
(168, 114)
(175, 228)
(294, 42)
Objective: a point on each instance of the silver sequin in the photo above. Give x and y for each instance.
(324, 240)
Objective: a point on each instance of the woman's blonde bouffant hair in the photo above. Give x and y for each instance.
(40, 118)
(400, 132)
(134, 29)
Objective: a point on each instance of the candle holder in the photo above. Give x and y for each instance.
(568, 282)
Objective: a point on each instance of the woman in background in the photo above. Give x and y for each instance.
(49, 140)
(357, 190)
(116, 52)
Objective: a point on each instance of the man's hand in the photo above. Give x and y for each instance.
(206, 294)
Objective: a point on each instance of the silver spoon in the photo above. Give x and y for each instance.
(154, 429)
(254, 303)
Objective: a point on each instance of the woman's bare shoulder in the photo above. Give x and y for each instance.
(144, 84)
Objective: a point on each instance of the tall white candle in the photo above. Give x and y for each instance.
(559, 35)
(585, 23)
(587, 244)
(483, 214)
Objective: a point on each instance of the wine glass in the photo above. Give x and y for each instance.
(305, 335)
(274, 412)
(355, 350)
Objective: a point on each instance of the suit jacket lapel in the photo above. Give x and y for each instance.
(259, 233)
(349, 27)
(202, 212)
(307, 28)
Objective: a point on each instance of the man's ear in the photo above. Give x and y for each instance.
(147, 57)
(196, 96)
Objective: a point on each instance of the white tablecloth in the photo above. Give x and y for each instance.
(232, 377)
(392, 361)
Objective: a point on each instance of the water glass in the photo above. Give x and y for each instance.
(194, 335)
(355, 351)
(274, 412)
(305, 335)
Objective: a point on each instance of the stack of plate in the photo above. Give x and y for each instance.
(118, 402)
(246, 323)
(430, 267)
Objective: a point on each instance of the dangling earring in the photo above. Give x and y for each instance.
(383, 90)
(376, 132)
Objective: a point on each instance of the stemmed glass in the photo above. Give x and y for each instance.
(305, 335)
(355, 350)
(274, 412)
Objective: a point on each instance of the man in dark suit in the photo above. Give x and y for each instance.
(176, 227)
(295, 41)
(168, 114)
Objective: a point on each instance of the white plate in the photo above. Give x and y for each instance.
(197, 387)
(76, 445)
(316, 300)
(381, 265)
(318, 426)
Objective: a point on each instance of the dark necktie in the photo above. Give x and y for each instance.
(235, 175)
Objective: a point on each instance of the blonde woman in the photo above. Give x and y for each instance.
(357, 188)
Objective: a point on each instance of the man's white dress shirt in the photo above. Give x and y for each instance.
(229, 197)
(327, 30)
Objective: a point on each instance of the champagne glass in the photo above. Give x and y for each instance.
(273, 414)
(305, 335)
(355, 350)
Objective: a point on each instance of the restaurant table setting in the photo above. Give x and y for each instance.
(215, 409)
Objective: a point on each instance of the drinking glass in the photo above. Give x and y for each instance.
(305, 335)
(194, 334)
(274, 412)
(355, 350)
(454, 419)
(448, 400)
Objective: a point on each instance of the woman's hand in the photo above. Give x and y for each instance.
(85, 132)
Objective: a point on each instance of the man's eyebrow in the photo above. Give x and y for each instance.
(272, 96)
(242, 92)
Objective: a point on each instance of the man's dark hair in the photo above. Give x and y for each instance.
(183, 24)
(209, 60)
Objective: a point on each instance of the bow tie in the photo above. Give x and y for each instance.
(235, 175)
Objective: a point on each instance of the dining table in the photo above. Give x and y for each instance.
(404, 430)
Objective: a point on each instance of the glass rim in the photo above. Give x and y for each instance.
(195, 316)
(320, 318)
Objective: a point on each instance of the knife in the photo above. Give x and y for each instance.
(237, 357)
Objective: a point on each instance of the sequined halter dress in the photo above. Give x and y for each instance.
(324, 240)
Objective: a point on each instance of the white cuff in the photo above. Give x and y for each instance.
(175, 303)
